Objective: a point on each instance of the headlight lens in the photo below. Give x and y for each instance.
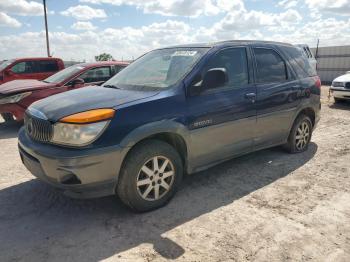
(82, 128)
(77, 134)
(14, 98)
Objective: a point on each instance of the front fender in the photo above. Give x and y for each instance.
(150, 129)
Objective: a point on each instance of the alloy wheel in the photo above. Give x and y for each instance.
(302, 136)
(155, 178)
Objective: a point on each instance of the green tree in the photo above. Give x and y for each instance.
(104, 57)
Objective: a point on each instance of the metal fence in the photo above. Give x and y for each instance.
(332, 61)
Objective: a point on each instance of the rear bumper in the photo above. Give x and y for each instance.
(16, 110)
(79, 173)
(340, 93)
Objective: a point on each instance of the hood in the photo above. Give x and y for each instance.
(57, 106)
(17, 86)
(343, 78)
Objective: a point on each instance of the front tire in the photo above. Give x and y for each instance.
(150, 176)
(7, 117)
(300, 135)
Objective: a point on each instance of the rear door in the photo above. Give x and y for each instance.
(222, 120)
(277, 96)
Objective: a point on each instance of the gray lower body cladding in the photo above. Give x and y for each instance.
(84, 173)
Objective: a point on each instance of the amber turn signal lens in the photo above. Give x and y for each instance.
(91, 116)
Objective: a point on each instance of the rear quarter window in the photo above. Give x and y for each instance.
(299, 62)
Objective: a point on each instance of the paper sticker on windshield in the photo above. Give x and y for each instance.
(185, 53)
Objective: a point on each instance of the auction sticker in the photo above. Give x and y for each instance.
(185, 53)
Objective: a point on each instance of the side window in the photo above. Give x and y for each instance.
(270, 66)
(310, 52)
(23, 68)
(299, 62)
(100, 74)
(46, 66)
(234, 60)
(306, 52)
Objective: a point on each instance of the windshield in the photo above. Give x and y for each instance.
(4, 64)
(64, 74)
(158, 69)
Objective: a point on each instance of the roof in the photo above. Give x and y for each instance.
(36, 58)
(232, 42)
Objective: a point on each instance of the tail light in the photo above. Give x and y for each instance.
(317, 82)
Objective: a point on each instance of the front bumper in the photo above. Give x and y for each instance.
(340, 93)
(79, 173)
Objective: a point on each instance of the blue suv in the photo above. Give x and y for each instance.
(174, 110)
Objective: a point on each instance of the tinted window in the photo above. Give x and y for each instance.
(299, 62)
(270, 66)
(46, 66)
(24, 68)
(100, 74)
(234, 60)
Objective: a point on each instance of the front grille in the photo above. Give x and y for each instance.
(338, 84)
(347, 85)
(38, 129)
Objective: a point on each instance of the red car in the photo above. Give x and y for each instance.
(16, 96)
(29, 68)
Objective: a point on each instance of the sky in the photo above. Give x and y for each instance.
(81, 29)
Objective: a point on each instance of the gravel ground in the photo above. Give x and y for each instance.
(265, 206)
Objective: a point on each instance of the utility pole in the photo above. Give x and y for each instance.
(46, 29)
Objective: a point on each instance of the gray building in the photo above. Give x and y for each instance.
(332, 61)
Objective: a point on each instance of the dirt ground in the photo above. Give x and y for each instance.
(265, 206)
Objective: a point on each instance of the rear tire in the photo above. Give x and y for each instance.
(300, 135)
(7, 117)
(150, 176)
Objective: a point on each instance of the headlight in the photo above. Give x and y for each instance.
(77, 135)
(83, 128)
(14, 98)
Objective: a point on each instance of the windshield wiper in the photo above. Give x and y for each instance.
(111, 86)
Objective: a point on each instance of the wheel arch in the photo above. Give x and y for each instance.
(308, 111)
(170, 132)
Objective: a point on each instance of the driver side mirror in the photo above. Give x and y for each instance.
(77, 82)
(214, 78)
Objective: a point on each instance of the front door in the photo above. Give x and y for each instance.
(22, 70)
(222, 120)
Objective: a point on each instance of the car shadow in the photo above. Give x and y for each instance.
(9, 129)
(344, 105)
(38, 223)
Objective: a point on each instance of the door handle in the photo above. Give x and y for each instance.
(251, 96)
